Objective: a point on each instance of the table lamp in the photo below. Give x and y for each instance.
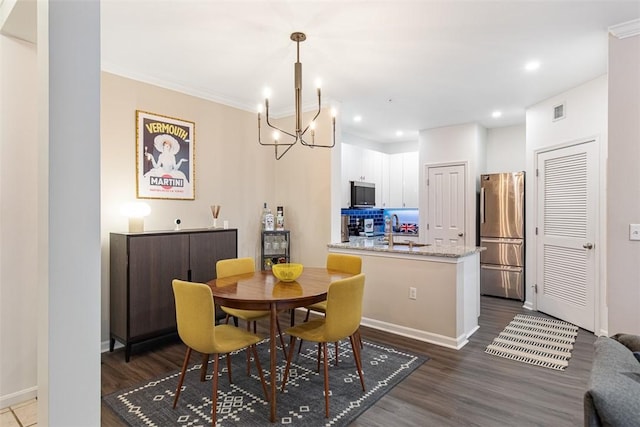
(136, 211)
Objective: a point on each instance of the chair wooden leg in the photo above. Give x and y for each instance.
(359, 338)
(214, 390)
(292, 347)
(203, 369)
(337, 353)
(319, 348)
(262, 381)
(247, 350)
(326, 380)
(357, 356)
(228, 357)
(180, 381)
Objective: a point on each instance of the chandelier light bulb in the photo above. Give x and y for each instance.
(259, 108)
(276, 135)
(267, 93)
(312, 125)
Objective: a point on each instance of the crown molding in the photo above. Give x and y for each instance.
(626, 29)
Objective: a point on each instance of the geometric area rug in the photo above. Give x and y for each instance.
(242, 403)
(537, 341)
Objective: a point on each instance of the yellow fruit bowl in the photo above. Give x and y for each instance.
(287, 272)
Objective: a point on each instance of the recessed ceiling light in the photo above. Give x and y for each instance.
(357, 118)
(399, 133)
(532, 65)
(496, 114)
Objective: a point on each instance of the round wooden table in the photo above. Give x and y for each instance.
(261, 290)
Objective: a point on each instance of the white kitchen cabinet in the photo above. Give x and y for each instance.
(403, 180)
(410, 177)
(361, 164)
(395, 176)
(395, 181)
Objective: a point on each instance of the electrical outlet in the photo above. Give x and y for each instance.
(413, 293)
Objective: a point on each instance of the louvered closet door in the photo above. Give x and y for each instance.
(566, 253)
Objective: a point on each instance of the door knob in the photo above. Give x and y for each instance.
(460, 234)
(588, 246)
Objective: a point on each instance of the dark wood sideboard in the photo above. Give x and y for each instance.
(142, 266)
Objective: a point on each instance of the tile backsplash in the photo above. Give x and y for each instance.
(408, 218)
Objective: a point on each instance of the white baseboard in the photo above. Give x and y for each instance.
(416, 334)
(18, 397)
(104, 346)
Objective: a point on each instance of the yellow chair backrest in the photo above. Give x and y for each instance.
(195, 315)
(233, 266)
(344, 307)
(351, 264)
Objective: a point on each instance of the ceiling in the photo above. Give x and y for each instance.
(400, 65)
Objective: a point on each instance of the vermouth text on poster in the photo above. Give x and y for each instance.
(159, 127)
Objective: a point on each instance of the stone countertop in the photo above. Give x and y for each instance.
(428, 250)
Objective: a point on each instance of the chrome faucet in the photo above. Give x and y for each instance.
(395, 223)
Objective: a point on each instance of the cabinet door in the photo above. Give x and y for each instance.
(206, 249)
(384, 185)
(372, 171)
(410, 180)
(349, 173)
(154, 261)
(395, 181)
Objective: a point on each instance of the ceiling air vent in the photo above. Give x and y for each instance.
(559, 112)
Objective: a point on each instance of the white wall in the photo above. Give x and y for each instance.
(18, 225)
(506, 149)
(454, 144)
(623, 178)
(586, 117)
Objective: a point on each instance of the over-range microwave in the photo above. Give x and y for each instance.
(363, 194)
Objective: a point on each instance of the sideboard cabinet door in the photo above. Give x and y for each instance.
(142, 267)
(207, 249)
(154, 261)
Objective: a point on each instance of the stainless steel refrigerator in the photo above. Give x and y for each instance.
(501, 210)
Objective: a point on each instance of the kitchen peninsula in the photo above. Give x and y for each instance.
(429, 293)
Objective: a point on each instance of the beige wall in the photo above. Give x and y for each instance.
(623, 178)
(19, 207)
(231, 169)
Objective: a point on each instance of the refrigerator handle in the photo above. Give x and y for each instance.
(481, 205)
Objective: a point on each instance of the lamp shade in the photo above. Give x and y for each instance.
(135, 211)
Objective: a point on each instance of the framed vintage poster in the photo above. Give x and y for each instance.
(164, 157)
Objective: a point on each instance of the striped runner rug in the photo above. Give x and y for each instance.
(537, 341)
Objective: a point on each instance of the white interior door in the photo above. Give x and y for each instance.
(446, 205)
(567, 195)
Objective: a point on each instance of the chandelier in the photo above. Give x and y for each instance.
(300, 133)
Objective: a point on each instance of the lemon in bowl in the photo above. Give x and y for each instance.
(287, 272)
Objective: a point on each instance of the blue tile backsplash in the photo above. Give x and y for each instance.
(408, 218)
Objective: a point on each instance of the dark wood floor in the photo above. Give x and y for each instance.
(455, 388)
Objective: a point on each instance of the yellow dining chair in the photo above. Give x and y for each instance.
(341, 320)
(344, 263)
(195, 316)
(232, 267)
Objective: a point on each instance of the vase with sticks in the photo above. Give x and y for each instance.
(215, 211)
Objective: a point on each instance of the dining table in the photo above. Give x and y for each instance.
(261, 290)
